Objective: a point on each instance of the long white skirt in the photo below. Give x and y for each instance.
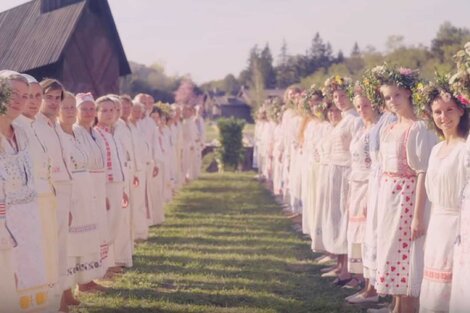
(356, 225)
(321, 198)
(335, 214)
(157, 186)
(459, 298)
(369, 247)
(138, 207)
(99, 206)
(83, 239)
(24, 222)
(307, 189)
(295, 181)
(64, 203)
(438, 260)
(8, 295)
(123, 244)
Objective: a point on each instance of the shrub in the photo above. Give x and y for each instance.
(231, 152)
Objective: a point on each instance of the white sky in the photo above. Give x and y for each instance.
(211, 38)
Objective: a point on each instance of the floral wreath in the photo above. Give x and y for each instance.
(5, 93)
(369, 86)
(387, 74)
(308, 95)
(425, 94)
(275, 109)
(460, 81)
(334, 83)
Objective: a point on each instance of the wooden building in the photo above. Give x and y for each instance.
(74, 41)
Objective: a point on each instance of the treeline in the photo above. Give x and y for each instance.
(319, 61)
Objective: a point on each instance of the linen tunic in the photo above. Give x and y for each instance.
(445, 180)
(336, 177)
(459, 302)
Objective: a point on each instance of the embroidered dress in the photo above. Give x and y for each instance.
(19, 201)
(321, 188)
(295, 167)
(115, 169)
(404, 153)
(48, 135)
(445, 180)
(369, 247)
(84, 249)
(288, 137)
(459, 299)
(168, 181)
(336, 177)
(124, 244)
(157, 183)
(89, 140)
(360, 168)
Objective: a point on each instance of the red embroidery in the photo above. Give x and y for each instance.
(438, 275)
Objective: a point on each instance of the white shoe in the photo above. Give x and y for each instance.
(330, 274)
(353, 296)
(326, 259)
(359, 298)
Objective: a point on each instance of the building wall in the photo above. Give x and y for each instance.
(237, 111)
(90, 63)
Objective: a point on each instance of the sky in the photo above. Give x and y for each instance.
(209, 39)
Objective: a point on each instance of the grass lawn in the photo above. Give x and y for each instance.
(225, 247)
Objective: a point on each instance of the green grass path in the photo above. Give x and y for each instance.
(225, 247)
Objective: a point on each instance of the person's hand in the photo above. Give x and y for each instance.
(155, 171)
(108, 206)
(70, 218)
(125, 200)
(136, 181)
(417, 228)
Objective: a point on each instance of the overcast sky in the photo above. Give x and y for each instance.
(211, 38)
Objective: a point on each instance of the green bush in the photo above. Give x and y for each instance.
(231, 152)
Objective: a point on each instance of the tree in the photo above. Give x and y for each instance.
(339, 57)
(394, 42)
(283, 56)
(356, 52)
(449, 39)
(230, 85)
(266, 67)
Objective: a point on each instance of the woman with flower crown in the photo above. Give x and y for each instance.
(308, 137)
(445, 180)
(403, 207)
(360, 169)
(323, 151)
(278, 147)
(335, 210)
(459, 301)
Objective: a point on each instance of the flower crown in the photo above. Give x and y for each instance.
(387, 74)
(5, 93)
(308, 95)
(460, 81)
(425, 94)
(334, 83)
(369, 86)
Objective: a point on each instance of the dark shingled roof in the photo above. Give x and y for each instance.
(31, 39)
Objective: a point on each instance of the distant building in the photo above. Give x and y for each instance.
(249, 97)
(220, 105)
(75, 41)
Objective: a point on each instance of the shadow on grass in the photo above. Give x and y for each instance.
(225, 247)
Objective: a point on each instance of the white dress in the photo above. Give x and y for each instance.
(115, 169)
(91, 141)
(83, 247)
(404, 153)
(295, 166)
(335, 208)
(369, 248)
(61, 177)
(321, 197)
(459, 299)
(445, 180)
(19, 199)
(306, 169)
(360, 169)
(278, 151)
(46, 199)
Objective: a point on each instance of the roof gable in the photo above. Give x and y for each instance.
(31, 39)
